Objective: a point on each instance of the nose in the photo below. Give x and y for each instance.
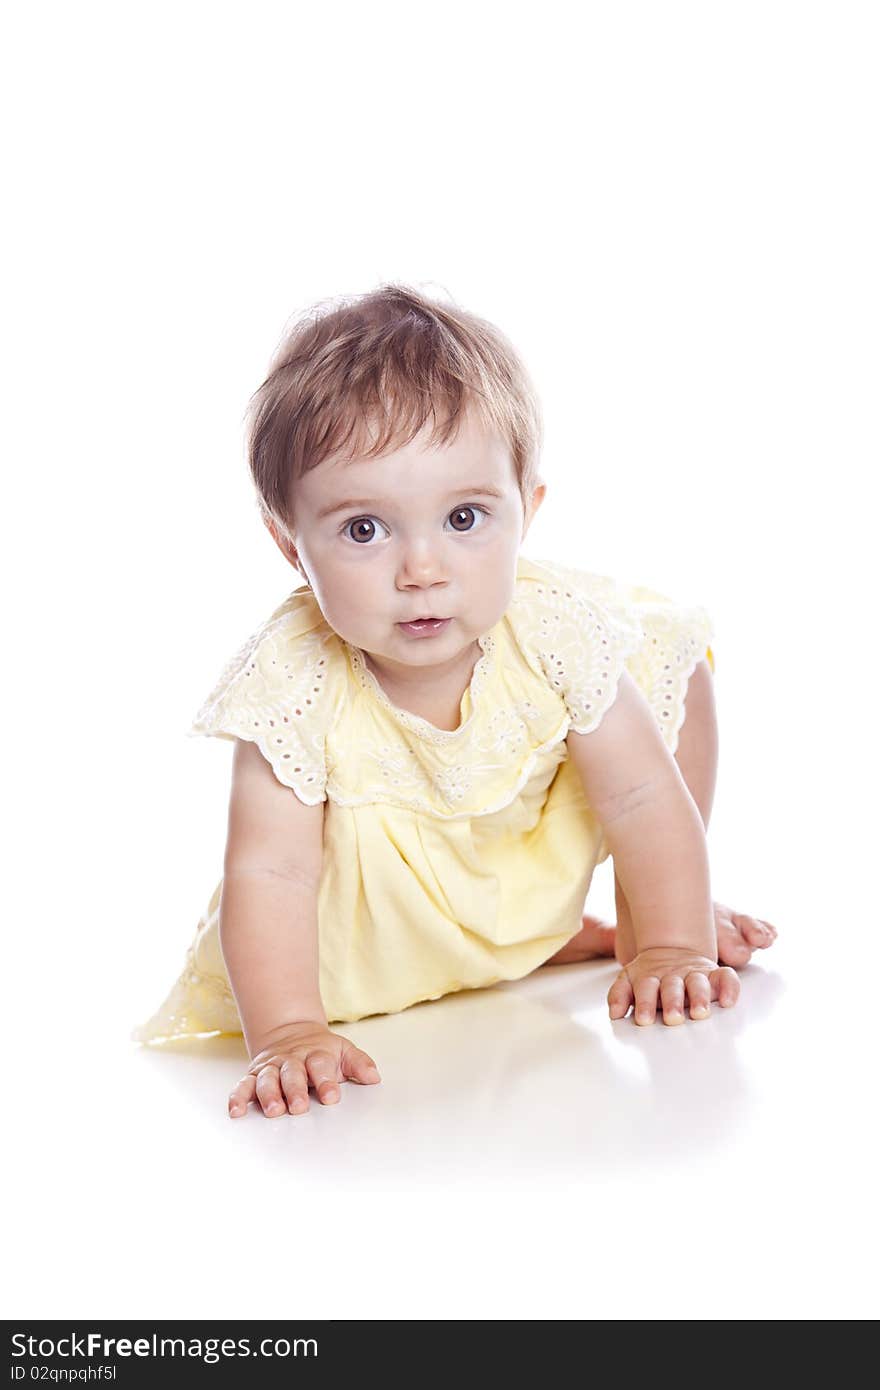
(421, 565)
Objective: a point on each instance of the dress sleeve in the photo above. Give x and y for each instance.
(277, 692)
(585, 628)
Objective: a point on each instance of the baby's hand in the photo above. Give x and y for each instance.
(671, 972)
(302, 1054)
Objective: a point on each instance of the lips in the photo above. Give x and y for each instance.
(423, 627)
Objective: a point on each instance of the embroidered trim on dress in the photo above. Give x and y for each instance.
(252, 701)
(580, 644)
(659, 642)
(456, 782)
(676, 641)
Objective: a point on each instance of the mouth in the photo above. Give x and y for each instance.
(424, 625)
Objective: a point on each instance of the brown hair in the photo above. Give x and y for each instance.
(386, 359)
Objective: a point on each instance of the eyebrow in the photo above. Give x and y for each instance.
(484, 490)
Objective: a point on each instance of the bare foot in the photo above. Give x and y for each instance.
(738, 935)
(595, 938)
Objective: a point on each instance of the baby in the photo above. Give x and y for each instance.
(436, 739)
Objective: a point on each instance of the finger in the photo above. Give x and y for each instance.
(620, 996)
(242, 1095)
(699, 994)
(321, 1067)
(646, 999)
(357, 1066)
(269, 1091)
(672, 999)
(725, 986)
(295, 1085)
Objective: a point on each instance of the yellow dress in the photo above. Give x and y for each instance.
(452, 859)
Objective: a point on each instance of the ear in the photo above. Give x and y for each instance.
(287, 548)
(536, 500)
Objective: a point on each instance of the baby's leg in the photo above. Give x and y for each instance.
(697, 759)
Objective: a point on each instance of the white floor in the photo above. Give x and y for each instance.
(523, 1157)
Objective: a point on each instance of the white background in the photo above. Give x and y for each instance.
(672, 211)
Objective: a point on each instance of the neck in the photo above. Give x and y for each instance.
(426, 680)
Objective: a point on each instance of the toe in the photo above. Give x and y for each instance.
(607, 938)
(754, 931)
(733, 949)
(595, 938)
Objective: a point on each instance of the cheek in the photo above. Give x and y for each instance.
(499, 551)
(351, 595)
(492, 550)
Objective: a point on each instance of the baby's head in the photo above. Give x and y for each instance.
(423, 415)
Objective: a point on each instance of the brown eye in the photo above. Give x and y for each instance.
(462, 512)
(363, 529)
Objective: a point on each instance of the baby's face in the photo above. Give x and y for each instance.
(430, 532)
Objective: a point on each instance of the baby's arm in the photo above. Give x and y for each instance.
(269, 939)
(656, 837)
